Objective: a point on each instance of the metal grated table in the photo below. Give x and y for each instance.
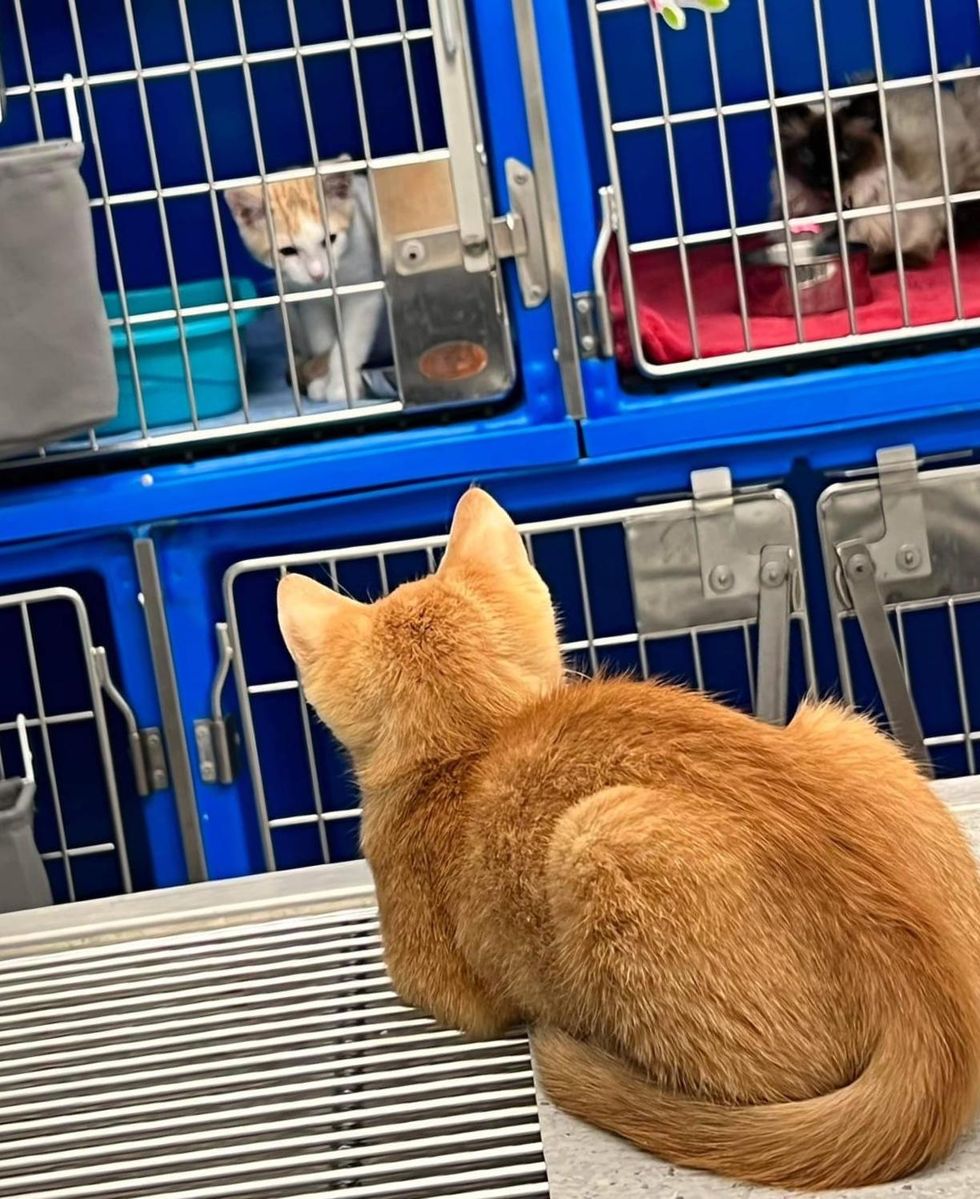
(259, 1056)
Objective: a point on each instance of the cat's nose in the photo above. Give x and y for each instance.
(317, 271)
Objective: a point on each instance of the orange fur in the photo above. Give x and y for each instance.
(746, 949)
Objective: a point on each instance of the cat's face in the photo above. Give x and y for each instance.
(806, 146)
(301, 238)
(439, 660)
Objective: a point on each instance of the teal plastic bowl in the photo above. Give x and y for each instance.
(210, 346)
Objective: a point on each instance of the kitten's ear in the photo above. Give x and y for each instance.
(307, 610)
(864, 112)
(794, 123)
(484, 534)
(338, 185)
(247, 204)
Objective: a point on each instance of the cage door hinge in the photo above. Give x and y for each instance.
(588, 329)
(520, 233)
(730, 572)
(216, 736)
(902, 552)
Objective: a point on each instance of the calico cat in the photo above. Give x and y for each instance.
(301, 248)
(748, 949)
(858, 137)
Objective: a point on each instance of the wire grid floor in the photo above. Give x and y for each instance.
(224, 126)
(266, 1058)
(305, 797)
(47, 668)
(938, 640)
(695, 141)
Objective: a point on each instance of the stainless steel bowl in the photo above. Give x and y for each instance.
(819, 268)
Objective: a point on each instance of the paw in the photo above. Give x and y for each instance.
(334, 388)
(318, 390)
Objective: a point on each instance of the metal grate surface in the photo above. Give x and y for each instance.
(263, 1060)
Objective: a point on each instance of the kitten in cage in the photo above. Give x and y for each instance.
(748, 949)
(305, 249)
(862, 169)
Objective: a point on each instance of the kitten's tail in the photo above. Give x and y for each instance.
(904, 1111)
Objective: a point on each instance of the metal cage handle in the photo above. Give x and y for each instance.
(215, 736)
(113, 693)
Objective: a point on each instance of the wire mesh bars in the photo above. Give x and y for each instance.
(901, 555)
(54, 680)
(184, 106)
(737, 141)
(705, 590)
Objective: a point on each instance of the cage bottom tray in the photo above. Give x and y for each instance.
(666, 330)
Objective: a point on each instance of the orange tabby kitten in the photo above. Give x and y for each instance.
(747, 949)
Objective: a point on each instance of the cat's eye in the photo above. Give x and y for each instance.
(333, 240)
(288, 251)
(806, 157)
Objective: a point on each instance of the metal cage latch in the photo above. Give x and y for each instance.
(216, 736)
(723, 560)
(900, 553)
(518, 234)
(728, 570)
(146, 751)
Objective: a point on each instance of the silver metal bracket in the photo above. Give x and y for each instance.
(216, 741)
(146, 750)
(902, 552)
(726, 569)
(531, 260)
(216, 736)
(586, 328)
(859, 573)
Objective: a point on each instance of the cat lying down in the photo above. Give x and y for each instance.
(746, 949)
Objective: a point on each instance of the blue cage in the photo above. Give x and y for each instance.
(548, 184)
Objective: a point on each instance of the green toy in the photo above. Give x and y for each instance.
(673, 12)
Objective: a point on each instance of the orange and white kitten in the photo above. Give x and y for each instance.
(747, 949)
(300, 245)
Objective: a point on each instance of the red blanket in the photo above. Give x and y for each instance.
(666, 330)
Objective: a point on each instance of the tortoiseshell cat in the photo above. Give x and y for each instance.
(858, 136)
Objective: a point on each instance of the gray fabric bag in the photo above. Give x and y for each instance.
(23, 879)
(57, 374)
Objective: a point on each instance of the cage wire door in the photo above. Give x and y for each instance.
(902, 556)
(255, 278)
(706, 589)
(59, 699)
(705, 169)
